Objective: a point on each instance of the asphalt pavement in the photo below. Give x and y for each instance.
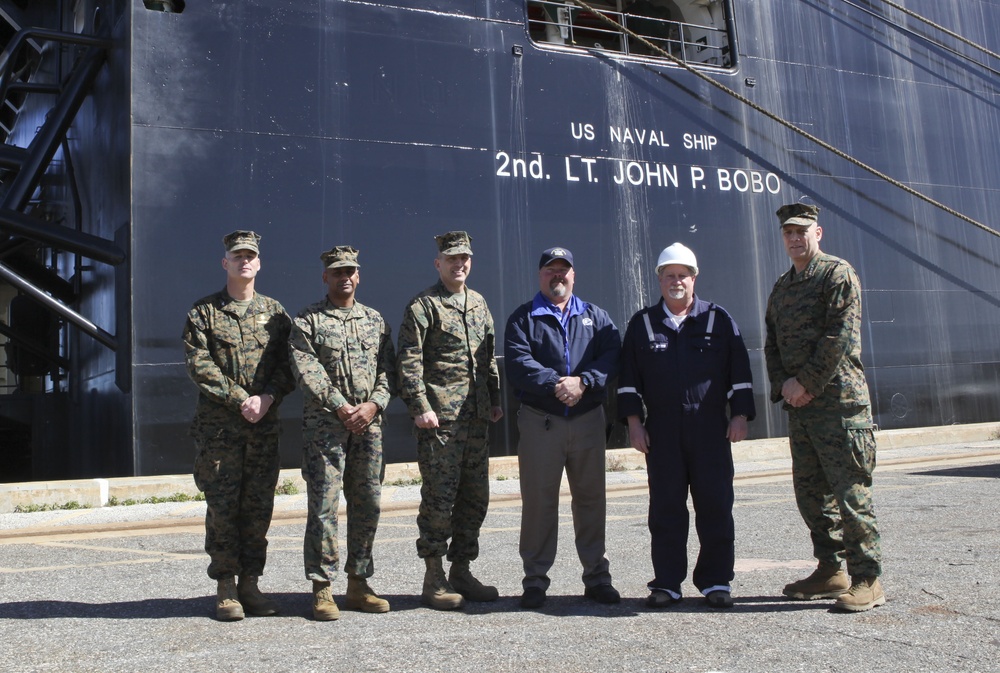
(124, 588)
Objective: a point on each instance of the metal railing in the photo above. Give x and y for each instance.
(21, 52)
(562, 23)
(28, 165)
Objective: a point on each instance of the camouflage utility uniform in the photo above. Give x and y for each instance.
(341, 356)
(447, 365)
(231, 358)
(814, 334)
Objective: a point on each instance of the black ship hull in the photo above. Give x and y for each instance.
(379, 124)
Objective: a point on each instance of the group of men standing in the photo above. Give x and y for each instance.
(684, 389)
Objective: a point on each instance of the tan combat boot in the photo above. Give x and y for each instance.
(437, 593)
(361, 597)
(827, 581)
(254, 602)
(324, 607)
(227, 605)
(865, 593)
(463, 582)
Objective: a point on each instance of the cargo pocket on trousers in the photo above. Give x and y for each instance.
(206, 470)
(861, 432)
(208, 459)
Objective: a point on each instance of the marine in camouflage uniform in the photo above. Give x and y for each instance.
(813, 351)
(449, 380)
(236, 351)
(344, 361)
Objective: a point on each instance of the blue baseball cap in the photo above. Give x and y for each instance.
(552, 254)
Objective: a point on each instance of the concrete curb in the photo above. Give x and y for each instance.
(91, 493)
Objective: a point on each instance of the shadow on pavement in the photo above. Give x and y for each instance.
(777, 604)
(295, 605)
(154, 608)
(298, 605)
(976, 471)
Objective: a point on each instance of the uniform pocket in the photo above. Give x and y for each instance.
(267, 330)
(706, 344)
(455, 331)
(208, 463)
(369, 342)
(219, 460)
(224, 351)
(861, 433)
(329, 346)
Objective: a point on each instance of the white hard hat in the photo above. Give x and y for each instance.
(678, 253)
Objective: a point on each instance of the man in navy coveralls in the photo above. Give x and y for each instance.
(686, 391)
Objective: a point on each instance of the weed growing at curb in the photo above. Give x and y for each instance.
(27, 509)
(113, 501)
(615, 464)
(415, 481)
(286, 487)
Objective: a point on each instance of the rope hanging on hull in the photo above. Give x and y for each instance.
(937, 43)
(944, 30)
(787, 124)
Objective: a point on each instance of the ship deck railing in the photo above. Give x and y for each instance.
(556, 22)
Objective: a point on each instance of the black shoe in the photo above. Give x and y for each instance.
(661, 599)
(603, 593)
(719, 599)
(533, 598)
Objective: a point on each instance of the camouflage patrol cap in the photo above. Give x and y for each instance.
(242, 240)
(798, 213)
(340, 255)
(454, 243)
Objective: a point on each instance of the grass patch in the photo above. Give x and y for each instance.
(414, 481)
(286, 487)
(113, 501)
(995, 435)
(615, 464)
(27, 509)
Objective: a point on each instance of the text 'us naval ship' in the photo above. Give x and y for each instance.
(138, 132)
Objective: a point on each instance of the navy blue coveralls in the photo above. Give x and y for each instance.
(682, 383)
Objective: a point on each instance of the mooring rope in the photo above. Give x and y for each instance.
(938, 26)
(787, 124)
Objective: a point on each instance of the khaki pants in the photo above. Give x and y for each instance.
(549, 444)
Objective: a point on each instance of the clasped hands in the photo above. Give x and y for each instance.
(357, 418)
(256, 407)
(795, 393)
(569, 390)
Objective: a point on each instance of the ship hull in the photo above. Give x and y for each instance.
(381, 124)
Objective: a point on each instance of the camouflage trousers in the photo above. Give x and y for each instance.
(833, 457)
(237, 466)
(454, 497)
(335, 460)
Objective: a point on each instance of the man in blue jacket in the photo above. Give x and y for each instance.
(686, 373)
(560, 354)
